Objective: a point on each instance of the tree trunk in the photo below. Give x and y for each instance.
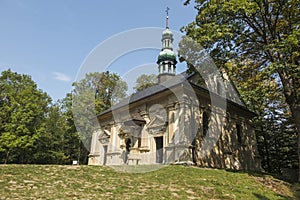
(297, 124)
(292, 96)
(6, 158)
(266, 140)
(295, 109)
(298, 153)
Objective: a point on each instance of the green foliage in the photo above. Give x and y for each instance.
(277, 140)
(258, 43)
(275, 129)
(144, 81)
(32, 129)
(91, 96)
(73, 146)
(266, 33)
(100, 89)
(22, 110)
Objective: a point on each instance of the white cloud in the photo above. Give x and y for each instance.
(61, 77)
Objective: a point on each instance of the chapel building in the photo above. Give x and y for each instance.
(175, 121)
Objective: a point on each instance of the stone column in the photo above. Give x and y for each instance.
(176, 124)
(184, 122)
(110, 142)
(171, 122)
(94, 142)
(114, 137)
(144, 133)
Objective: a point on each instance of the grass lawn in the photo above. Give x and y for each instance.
(171, 182)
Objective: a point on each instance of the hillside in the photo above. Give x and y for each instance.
(171, 182)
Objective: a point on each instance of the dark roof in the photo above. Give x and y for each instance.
(178, 79)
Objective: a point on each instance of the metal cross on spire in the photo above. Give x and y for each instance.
(167, 18)
(167, 11)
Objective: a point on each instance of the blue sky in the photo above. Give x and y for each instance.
(49, 40)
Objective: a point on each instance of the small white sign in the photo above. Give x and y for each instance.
(75, 162)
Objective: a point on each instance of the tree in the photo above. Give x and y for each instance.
(60, 143)
(91, 96)
(275, 130)
(22, 113)
(144, 81)
(267, 33)
(50, 142)
(35, 130)
(107, 89)
(73, 146)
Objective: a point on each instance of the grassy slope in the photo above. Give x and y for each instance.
(171, 182)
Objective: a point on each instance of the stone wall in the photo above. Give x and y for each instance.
(177, 118)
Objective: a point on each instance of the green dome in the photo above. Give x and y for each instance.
(166, 54)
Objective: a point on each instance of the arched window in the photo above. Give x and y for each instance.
(205, 122)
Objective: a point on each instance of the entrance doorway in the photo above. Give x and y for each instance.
(159, 149)
(127, 147)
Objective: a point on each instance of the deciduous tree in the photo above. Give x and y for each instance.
(91, 96)
(265, 32)
(22, 116)
(144, 81)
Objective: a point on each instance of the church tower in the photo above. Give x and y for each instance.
(167, 59)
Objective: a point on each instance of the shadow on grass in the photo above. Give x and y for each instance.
(273, 180)
(262, 174)
(261, 197)
(296, 189)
